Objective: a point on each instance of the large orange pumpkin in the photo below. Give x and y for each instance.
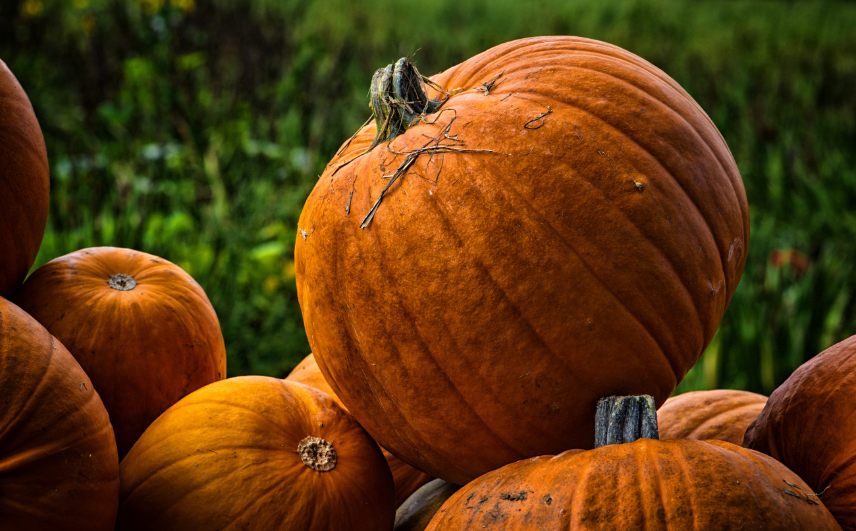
(407, 479)
(59, 470)
(256, 453)
(568, 225)
(139, 325)
(653, 485)
(24, 183)
(722, 414)
(633, 483)
(809, 425)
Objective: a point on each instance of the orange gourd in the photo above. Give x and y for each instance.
(59, 470)
(672, 485)
(721, 414)
(629, 483)
(257, 453)
(24, 183)
(407, 479)
(139, 325)
(549, 222)
(809, 425)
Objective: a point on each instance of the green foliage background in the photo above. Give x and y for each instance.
(194, 130)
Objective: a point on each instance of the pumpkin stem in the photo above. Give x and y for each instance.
(122, 282)
(623, 419)
(398, 99)
(317, 454)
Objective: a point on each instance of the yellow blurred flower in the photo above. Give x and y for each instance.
(288, 270)
(184, 5)
(270, 284)
(81, 4)
(32, 8)
(150, 7)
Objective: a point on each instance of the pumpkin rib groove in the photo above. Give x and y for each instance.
(685, 478)
(739, 467)
(680, 93)
(591, 272)
(350, 325)
(578, 499)
(680, 187)
(677, 90)
(581, 381)
(165, 466)
(28, 458)
(670, 175)
(385, 267)
(659, 163)
(254, 503)
(408, 433)
(655, 485)
(20, 416)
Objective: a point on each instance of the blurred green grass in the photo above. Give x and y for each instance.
(195, 129)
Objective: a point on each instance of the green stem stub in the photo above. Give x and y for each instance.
(624, 419)
(398, 99)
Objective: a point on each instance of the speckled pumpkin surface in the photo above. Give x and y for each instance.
(407, 479)
(24, 183)
(721, 414)
(809, 424)
(576, 231)
(259, 454)
(59, 470)
(677, 485)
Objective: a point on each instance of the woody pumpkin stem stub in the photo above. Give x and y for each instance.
(317, 454)
(122, 282)
(624, 419)
(398, 99)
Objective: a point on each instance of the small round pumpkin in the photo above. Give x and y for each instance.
(24, 183)
(59, 470)
(407, 479)
(257, 453)
(809, 425)
(721, 414)
(139, 325)
(549, 222)
(629, 483)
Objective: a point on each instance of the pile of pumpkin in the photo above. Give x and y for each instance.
(501, 279)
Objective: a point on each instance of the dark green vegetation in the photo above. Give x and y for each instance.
(194, 131)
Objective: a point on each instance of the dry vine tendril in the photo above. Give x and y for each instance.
(399, 100)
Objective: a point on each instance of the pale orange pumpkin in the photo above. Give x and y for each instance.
(139, 325)
(722, 414)
(256, 453)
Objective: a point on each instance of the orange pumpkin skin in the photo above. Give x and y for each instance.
(144, 348)
(496, 296)
(721, 414)
(407, 479)
(654, 485)
(59, 470)
(808, 424)
(225, 457)
(24, 183)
